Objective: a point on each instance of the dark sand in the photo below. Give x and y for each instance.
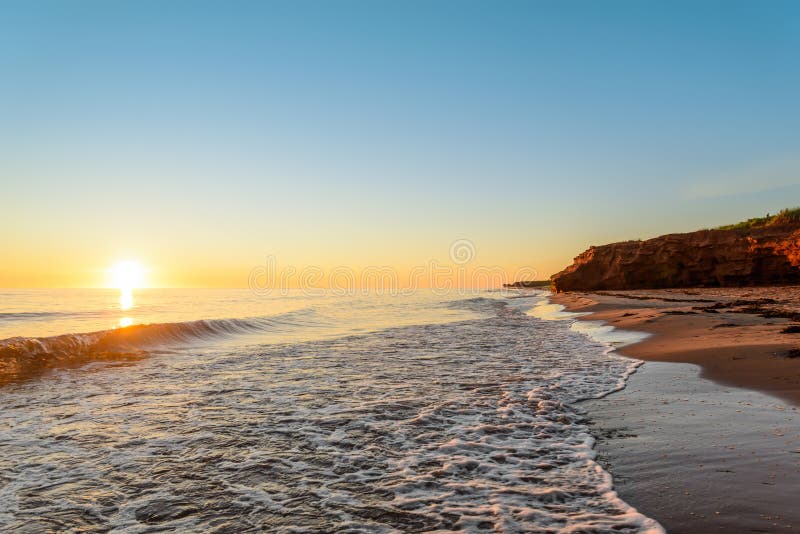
(712, 445)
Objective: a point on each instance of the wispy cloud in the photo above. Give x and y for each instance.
(758, 178)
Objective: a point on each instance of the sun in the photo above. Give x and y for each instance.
(127, 275)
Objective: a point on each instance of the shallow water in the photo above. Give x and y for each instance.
(462, 417)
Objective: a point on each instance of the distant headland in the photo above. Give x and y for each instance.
(529, 284)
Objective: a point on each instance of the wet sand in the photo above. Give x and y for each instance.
(700, 457)
(706, 435)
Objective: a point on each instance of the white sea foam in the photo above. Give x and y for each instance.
(604, 333)
(549, 311)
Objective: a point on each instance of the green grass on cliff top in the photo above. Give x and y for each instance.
(787, 216)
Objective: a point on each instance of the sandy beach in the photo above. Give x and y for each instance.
(738, 336)
(706, 435)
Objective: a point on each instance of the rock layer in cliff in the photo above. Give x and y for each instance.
(768, 255)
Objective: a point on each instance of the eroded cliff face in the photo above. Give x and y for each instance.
(759, 256)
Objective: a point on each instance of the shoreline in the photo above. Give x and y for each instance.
(720, 330)
(705, 436)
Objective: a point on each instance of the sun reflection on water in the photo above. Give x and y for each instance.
(125, 299)
(125, 303)
(126, 275)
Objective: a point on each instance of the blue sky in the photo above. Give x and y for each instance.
(205, 135)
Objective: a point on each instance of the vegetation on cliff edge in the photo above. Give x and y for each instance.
(787, 216)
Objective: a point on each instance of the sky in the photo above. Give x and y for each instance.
(201, 138)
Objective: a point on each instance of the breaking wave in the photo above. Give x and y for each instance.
(26, 356)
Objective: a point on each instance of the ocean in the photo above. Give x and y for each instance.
(227, 411)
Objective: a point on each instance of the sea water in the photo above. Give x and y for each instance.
(225, 411)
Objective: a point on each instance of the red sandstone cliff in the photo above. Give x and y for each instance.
(741, 257)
